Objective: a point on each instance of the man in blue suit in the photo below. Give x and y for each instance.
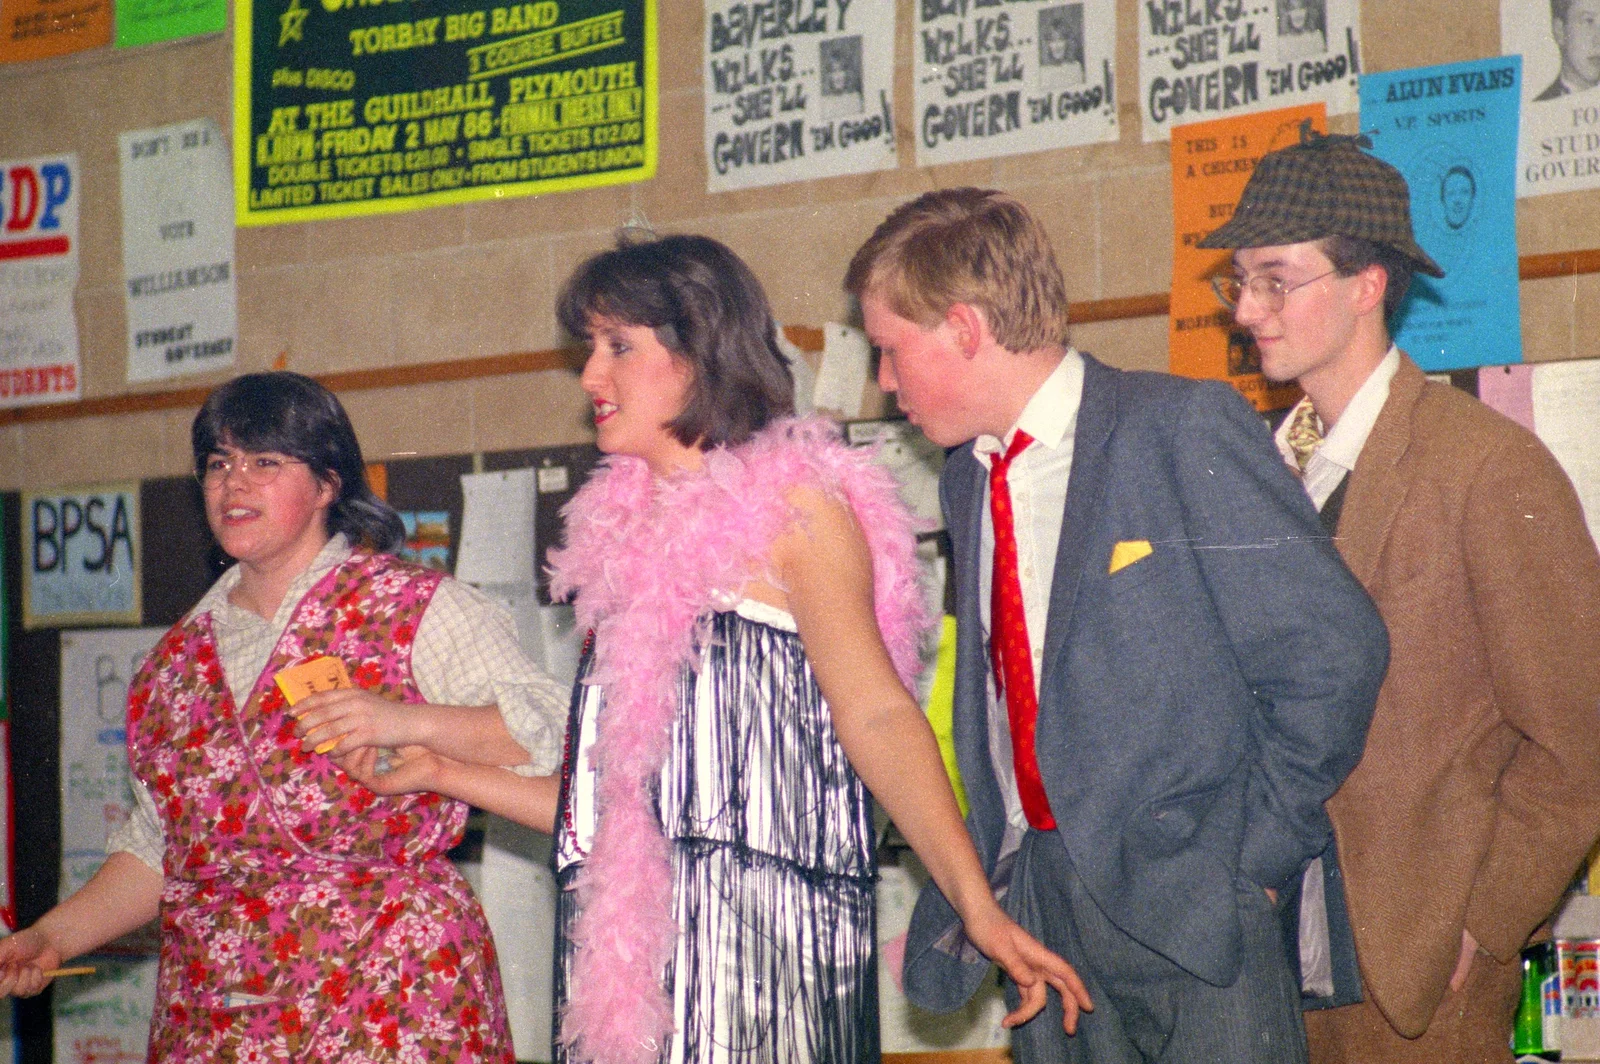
(1181, 669)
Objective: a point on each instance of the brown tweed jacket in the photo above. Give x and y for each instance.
(1479, 790)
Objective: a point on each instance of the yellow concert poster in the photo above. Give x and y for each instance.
(347, 107)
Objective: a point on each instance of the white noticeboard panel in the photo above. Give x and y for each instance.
(105, 1016)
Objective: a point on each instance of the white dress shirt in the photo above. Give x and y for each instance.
(1037, 479)
(1336, 457)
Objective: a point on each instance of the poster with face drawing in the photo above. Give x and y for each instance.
(1452, 131)
(999, 80)
(1559, 41)
(793, 93)
(1202, 61)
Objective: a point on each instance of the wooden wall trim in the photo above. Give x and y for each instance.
(1558, 264)
(1529, 268)
(349, 381)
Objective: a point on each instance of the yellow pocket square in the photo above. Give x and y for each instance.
(1127, 552)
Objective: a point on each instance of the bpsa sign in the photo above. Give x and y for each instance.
(80, 561)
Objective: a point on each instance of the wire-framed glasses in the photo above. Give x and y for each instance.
(257, 470)
(1270, 292)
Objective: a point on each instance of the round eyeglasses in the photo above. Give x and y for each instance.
(1268, 291)
(257, 470)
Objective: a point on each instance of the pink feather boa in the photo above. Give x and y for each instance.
(647, 558)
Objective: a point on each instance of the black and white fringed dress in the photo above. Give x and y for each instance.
(714, 846)
(773, 861)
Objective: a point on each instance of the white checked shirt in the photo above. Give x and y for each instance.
(465, 654)
(1038, 482)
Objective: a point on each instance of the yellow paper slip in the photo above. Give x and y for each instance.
(309, 677)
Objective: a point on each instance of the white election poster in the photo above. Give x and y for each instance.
(1204, 59)
(797, 92)
(38, 272)
(177, 249)
(1033, 75)
(104, 1016)
(96, 667)
(1559, 41)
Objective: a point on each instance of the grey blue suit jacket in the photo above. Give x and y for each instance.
(1197, 707)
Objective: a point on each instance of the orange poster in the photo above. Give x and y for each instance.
(41, 29)
(1211, 162)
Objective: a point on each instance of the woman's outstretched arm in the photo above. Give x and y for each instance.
(825, 566)
(529, 800)
(123, 894)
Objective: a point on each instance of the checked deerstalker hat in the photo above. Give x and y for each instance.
(1324, 186)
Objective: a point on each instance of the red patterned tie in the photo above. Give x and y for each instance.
(1009, 648)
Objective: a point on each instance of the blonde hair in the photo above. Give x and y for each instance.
(966, 245)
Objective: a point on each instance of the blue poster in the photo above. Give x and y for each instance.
(1452, 131)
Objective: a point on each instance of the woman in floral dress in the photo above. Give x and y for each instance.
(304, 917)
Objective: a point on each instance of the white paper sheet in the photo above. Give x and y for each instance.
(177, 250)
(1566, 409)
(519, 899)
(104, 1018)
(496, 546)
(1033, 75)
(96, 667)
(846, 361)
(789, 99)
(1559, 145)
(1199, 61)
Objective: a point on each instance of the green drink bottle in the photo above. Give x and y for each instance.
(1528, 1037)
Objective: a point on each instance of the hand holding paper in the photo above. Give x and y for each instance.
(307, 679)
(340, 721)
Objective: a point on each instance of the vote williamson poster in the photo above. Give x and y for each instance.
(347, 107)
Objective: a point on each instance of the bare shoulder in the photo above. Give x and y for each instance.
(817, 510)
(823, 534)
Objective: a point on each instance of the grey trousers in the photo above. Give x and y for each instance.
(1147, 1010)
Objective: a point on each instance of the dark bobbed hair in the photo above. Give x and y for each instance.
(292, 414)
(1350, 255)
(707, 308)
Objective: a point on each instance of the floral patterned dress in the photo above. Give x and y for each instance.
(303, 917)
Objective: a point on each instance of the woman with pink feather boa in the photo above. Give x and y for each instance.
(755, 622)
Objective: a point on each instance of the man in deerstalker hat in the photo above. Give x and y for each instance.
(1479, 790)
